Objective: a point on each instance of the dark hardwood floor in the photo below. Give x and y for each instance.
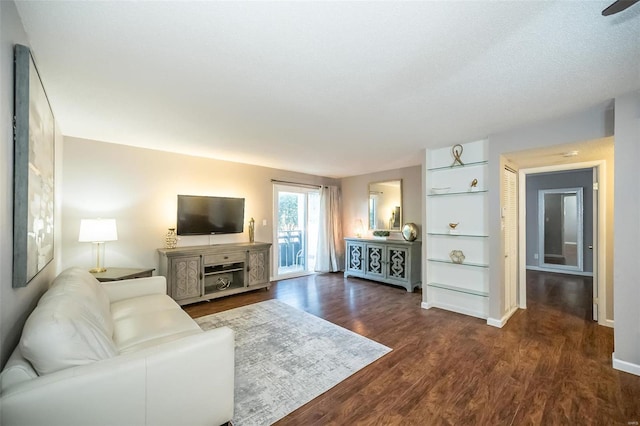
(551, 364)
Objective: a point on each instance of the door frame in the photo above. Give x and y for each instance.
(599, 234)
(299, 189)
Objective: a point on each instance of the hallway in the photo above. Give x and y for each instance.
(548, 292)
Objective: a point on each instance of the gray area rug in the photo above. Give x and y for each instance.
(286, 357)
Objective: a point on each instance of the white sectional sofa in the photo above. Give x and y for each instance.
(117, 353)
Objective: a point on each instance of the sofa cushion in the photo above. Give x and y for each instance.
(135, 347)
(62, 333)
(87, 291)
(142, 305)
(133, 330)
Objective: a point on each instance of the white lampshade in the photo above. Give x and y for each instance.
(97, 230)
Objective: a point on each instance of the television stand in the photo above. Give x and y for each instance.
(200, 273)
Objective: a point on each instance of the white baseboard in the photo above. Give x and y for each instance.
(627, 367)
(607, 323)
(560, 271)
(494, 322)
(454, 308)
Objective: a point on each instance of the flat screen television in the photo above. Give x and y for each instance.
(203, 215)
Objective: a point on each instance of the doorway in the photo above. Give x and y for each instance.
(594, 243)
(296, 217)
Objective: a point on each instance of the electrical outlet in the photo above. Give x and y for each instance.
(535, 255)
(264, 222)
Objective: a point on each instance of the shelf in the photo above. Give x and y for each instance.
(215, 282)
(444, 194)
(446, 234)
(232, 289)
(456, 166)
(473, 264)
(223, 268)
(223, 271)
(458, 289)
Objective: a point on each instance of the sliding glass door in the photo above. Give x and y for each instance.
(296, 217)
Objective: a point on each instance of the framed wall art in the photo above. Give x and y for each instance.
(33, 168)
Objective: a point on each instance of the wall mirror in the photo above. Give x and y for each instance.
(385, 205)
(560, 218)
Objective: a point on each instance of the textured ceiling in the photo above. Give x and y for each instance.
(579, 152)
(328, 88)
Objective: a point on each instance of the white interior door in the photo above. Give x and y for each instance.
(510, 223)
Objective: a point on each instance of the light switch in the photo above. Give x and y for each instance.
(264, 222)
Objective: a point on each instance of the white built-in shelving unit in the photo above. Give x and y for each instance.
(450, 198)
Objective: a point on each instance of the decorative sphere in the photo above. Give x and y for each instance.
(410, 231)
(456, 256)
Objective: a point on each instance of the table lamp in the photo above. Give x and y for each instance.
(98, 231)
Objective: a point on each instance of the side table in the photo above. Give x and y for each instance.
(117, 274)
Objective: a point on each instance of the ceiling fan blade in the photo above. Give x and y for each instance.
(618, 6)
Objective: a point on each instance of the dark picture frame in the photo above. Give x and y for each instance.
(33, 168)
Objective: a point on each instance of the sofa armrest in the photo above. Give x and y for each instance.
(186, 381)
(126, 289)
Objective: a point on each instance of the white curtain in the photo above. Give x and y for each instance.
(330, 253)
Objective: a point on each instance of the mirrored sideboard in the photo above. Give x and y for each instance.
(394, 262)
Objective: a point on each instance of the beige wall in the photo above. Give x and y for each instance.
(355, 196)
(139, 187)
(16, 304)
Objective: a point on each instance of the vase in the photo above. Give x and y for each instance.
(171, 239)
(252, 230)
